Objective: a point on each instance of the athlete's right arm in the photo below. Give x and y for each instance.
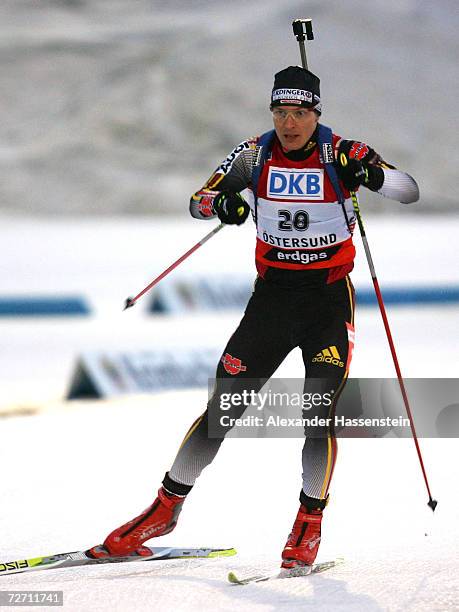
(234, 175)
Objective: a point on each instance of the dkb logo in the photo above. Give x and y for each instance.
(291, 184)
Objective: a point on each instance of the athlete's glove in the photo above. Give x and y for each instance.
(356, 165)
(353, 149)
(231, 208)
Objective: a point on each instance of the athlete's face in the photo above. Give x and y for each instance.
(294, 126)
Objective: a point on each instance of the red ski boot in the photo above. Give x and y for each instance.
(157, 520)
(303, 543)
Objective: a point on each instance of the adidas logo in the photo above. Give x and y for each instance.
(329, 355)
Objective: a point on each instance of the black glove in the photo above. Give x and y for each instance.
(355, 166)
(351, 172)
(353, 149)
(231, 207)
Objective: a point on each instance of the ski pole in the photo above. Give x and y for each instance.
(130, 301)
(432, 503)
(302, 28)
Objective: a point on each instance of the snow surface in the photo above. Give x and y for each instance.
(74, 471)
(75, 474)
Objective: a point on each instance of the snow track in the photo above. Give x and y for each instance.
(76, 470)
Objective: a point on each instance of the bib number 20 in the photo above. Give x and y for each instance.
(299, 220)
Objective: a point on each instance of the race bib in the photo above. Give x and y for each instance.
(295, 184)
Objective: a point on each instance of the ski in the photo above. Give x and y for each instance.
(80, 558)
(295, 572)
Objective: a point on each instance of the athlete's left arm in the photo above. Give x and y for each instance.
(378, 175)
